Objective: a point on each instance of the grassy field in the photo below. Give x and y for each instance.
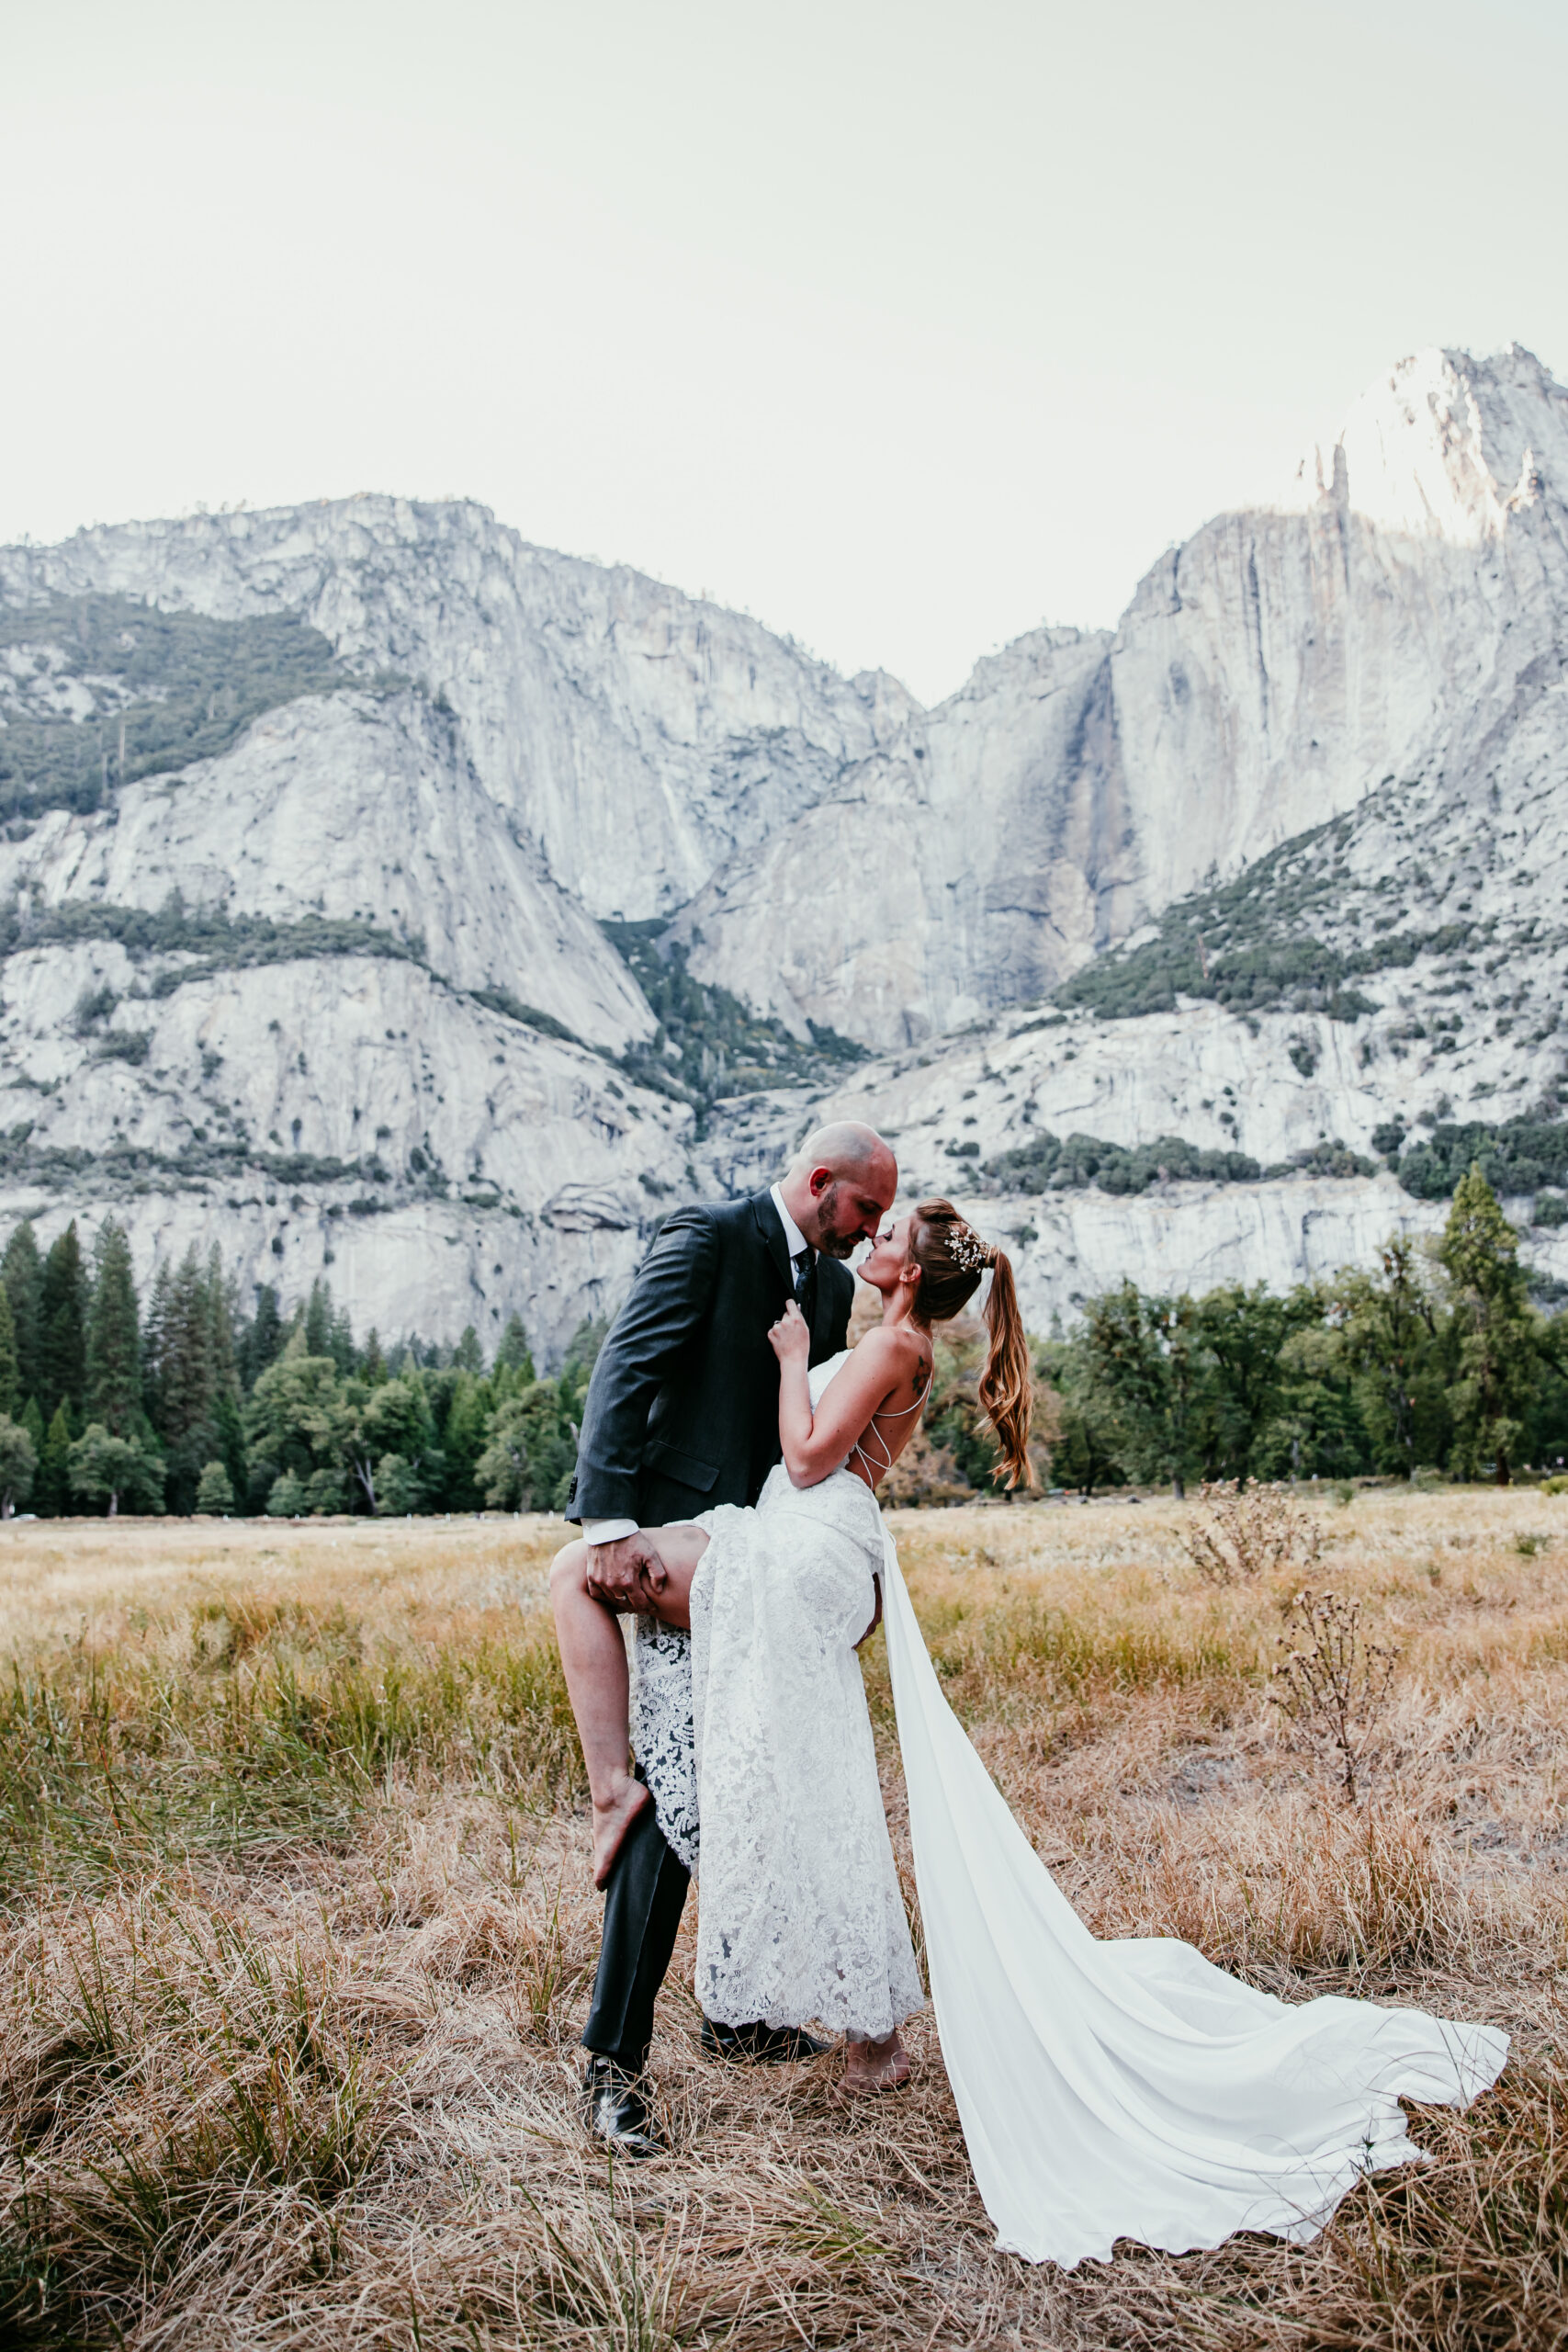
(296, 1926)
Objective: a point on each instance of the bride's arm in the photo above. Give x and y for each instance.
(814, 1444)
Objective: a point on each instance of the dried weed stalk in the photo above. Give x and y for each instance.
(267, 2086)
(1247, 1530)
(1332, 1682)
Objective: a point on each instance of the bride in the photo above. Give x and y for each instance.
(801, 1915)
(1120, 2088)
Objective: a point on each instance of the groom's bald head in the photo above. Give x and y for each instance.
(840, 1185)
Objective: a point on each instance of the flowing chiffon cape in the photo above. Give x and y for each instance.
(1129, 2088)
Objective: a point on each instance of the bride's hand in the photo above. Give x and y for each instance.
(790, 1337)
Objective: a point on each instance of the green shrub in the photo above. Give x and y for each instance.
(287, 1499)
(1517, 1156)
(215, 1490)
(123, 1046)
(1047, 1162)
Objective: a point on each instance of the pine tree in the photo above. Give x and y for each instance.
(221, 1294)
(513, 1353)
(154, 1330)
(32, 1421)
(318, 1319)
(189, 1381)
(340, 1346)
(373, 1369)
(63, 1325)
(114, 1340)
(468, 1355)
(263, 1340)
(51, 1488)
(21, 1272)
(10, 1377)
(463, 1439)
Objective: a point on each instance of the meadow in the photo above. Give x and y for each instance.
(297, 1926)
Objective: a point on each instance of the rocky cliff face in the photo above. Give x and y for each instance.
(1392, 621)
(313, 817)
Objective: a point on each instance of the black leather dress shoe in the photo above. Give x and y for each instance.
(758, 2045)
(616, 2110)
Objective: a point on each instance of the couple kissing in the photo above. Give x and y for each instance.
(731, 1452)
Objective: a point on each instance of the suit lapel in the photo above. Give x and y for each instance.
(773, 1234)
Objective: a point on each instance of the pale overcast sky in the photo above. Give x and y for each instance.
(904, 326)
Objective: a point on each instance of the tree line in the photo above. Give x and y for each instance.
(193, 1405)
(1435, 1359)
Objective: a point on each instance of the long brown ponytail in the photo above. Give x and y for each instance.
(952, 1257)
(1006, 1385)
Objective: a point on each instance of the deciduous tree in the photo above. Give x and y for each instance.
(1494, 1329)
(18, 1465)
(103, 1468)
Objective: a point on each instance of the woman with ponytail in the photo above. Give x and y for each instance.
(802, 1917)
(1107, 2090)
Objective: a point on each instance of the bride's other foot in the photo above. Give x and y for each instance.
(612, 1821)
(875, 2065)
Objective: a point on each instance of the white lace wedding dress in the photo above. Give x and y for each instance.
(1115, 2089)
(800, 1918)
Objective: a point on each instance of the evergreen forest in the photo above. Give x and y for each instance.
(1436, 1362)
(185, 1403)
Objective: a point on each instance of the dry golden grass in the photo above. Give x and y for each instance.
(297, 1925)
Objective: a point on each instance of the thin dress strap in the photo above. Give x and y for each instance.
(880, 1470)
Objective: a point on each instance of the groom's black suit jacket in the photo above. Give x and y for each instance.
(682, 1410)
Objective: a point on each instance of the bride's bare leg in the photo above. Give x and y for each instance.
(594, 1659)
(680, 1549)
(875, 2065)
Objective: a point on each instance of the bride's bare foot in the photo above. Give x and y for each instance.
(875, 2065)
(612, 1821)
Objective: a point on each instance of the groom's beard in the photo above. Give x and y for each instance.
(831, 1244)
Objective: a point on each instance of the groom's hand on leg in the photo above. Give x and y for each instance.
(625, 1573)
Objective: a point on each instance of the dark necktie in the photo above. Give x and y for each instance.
(805, 1263)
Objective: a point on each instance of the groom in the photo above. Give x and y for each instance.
(681, 1414)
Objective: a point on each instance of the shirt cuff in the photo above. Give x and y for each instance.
(607, 1531)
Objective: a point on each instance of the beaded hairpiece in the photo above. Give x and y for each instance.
(965, 1249)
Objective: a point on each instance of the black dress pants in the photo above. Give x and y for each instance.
(643, 1904)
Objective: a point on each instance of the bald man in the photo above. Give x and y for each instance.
(681, 1414)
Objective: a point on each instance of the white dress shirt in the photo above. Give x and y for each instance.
(610, 1530)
